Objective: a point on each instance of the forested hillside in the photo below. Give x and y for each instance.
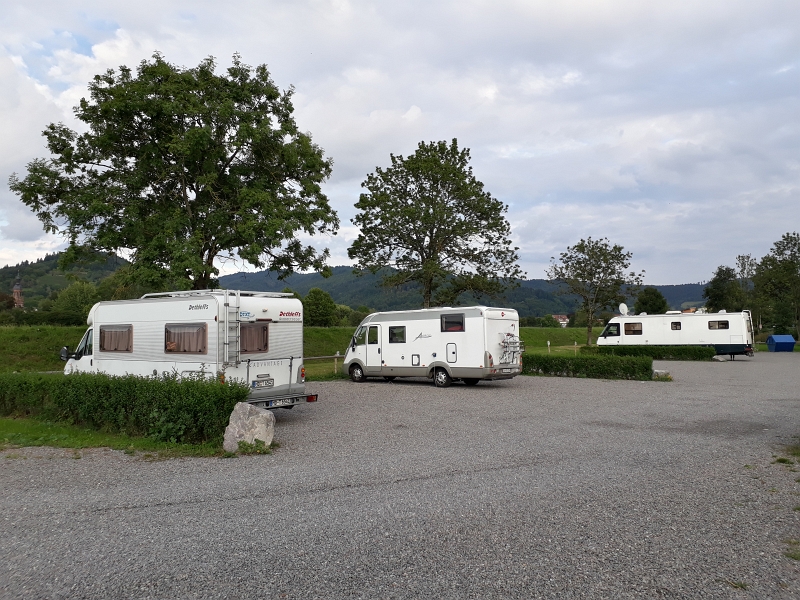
(42, 277)
(534, 297)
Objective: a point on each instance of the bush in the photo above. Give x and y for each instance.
(190, 410)
(656, 352)
(597, 367)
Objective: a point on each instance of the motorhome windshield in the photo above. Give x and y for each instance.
(360, 337)
(611, 330)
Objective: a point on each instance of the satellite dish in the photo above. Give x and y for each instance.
(623, 309)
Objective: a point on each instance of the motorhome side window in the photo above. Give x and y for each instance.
(397, 335)
(718, 325)
(453, 322)
(254, 337)
(611, 330)
(633, 329)
(372, 336)
(116, 338)
(185, 337)
(676, 326)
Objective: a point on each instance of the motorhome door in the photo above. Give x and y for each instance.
(374, 356)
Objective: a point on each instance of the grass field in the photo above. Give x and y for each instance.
(36, 348)
(30, 432)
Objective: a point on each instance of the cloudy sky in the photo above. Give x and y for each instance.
(671, 128)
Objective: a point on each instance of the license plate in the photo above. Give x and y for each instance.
(505, 370)
(264, 383)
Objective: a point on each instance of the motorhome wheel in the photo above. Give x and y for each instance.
(441, 378)
(356, 374)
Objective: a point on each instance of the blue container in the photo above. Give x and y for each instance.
(780, 343)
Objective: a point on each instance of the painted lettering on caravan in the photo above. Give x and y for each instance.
(198, 307)
(289, 315)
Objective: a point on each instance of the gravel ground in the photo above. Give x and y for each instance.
(530, 488)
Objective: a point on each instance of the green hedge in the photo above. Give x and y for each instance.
(191, 410)
(598, 367)
(655, 352)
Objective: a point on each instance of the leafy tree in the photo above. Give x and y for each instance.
(182, 168)
(724, 291)
(777, 280)
(78, 298)
(429, 218)
(6, 301)
(320, 309)
(595, 272)
(651, 301)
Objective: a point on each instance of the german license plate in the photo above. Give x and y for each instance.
(505, 370)
(264, 383)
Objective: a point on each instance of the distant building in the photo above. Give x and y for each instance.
(18, 301)
(563, 320)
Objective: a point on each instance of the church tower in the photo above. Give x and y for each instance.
(18, 301)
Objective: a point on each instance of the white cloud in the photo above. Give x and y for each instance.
(647, 123)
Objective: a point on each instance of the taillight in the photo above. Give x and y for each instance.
(312, 398)
(491, 360)
(302, 372)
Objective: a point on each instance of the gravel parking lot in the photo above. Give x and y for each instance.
(530, 488)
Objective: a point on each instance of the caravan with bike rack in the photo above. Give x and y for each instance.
(469, 344)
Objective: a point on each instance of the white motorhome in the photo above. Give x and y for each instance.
(470, 344)
(729, 333)
(253, 337)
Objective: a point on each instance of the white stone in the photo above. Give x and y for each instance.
(248, 423)
(659, 373)
(719, 358)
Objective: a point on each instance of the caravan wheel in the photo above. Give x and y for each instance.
(357, 374)
(441, 378)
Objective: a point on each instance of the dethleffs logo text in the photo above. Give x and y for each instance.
(198, 306)
(288, 313)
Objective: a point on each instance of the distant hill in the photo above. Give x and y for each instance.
(533, 298)
(42, 277)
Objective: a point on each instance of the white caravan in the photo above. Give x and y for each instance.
(728, 333)
(470, 343)
(253, 337)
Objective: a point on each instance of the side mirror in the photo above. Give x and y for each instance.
(65, 353)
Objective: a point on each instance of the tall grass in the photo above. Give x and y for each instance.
(36, 347)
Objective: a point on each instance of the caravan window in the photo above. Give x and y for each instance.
(116, 338)
(397, 335)
(633, 329)
(254, 337)
(453, 322)
(676, 326)
(186, 337)
(718, 325)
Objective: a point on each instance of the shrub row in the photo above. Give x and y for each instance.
(655, 352)
(598, 367)
(190, 410)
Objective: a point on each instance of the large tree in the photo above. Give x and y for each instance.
(777, 281)
(429, 219)
(651, 301)
(181, 168)
(724, 291)
(596, 272)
